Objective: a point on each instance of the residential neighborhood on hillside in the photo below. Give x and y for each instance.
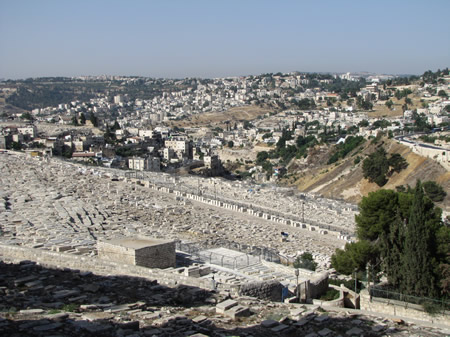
(122, 130)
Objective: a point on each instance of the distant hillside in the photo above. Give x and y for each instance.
(344, 179)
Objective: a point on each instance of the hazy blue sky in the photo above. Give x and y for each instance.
(221, 38)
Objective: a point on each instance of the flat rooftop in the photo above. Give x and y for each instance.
(136, 243)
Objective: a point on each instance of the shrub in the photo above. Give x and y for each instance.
(330, 295)
(305, 261)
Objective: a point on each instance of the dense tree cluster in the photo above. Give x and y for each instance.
(110, 133)
(304, 103)
(434, 191)
(442, 94)
(401, 235)
(27, 116)
(399, 94)
(420, 122)
(377, 167)
(381, 124)
(401, 80)
(389, 104)
(29, 96)
(364, 104)
(432, 77)
(130, 151)
(345, 88)
(94, 120)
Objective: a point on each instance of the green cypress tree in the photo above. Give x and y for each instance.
(392, 243)
(418, 262)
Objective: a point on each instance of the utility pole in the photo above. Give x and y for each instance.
(303, 211)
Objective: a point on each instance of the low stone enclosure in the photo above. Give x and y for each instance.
(347, 299)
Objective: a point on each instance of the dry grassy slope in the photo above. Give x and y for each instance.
(381, 110)
(345, 180)
(219, 118)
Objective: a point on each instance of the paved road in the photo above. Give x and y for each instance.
(429, 146)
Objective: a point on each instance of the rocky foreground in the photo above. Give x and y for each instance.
(36, 301)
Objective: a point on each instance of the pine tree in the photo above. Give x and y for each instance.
(419, 278)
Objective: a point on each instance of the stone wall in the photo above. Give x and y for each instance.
(157, 256)
(347, 298)
(398, 308)
(317, 286)
(270, 290)
(116, 253)
(337, 303)
(351, 299)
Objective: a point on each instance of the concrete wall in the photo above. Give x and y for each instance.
(398, 308)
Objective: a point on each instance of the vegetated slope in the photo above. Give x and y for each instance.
(344, 179)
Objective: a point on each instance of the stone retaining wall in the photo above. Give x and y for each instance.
(270, 290)
(398, 308)
(442, 156)
(102, 267)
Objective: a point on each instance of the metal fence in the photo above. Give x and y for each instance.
(430, 305)
(252, 254)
